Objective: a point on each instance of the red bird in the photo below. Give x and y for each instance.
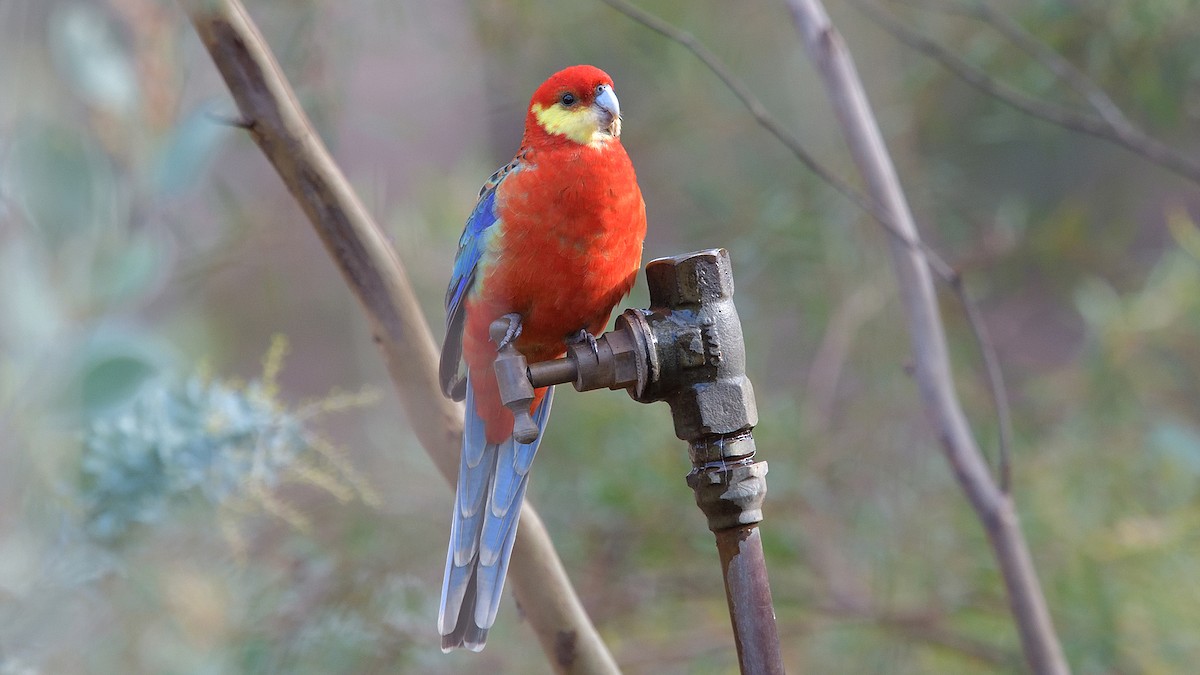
(553, 244)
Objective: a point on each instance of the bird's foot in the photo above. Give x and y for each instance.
(583, 336)
(512, 332)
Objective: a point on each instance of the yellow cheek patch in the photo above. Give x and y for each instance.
(579, 125)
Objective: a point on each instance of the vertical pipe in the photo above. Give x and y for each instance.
(749, 596)
(730, 487)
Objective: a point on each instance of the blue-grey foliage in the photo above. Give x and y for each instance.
(176, 442)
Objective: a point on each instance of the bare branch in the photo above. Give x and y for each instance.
(1125, 135)
(994, 508)
(933, 366)
(940, 267)
(374, 273)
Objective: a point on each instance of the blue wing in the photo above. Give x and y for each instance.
(471, 247)
(491, 487)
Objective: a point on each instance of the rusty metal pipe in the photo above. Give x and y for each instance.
(730, 487)
(547, 373)
(749, 597)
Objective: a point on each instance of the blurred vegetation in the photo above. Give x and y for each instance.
(169, 505)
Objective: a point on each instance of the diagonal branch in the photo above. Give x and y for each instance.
(950, 276)
(374, 273)
(993, 507)
(1125, 135)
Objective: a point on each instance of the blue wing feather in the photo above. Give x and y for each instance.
(481, 539)
(472, 245)
(470, 250)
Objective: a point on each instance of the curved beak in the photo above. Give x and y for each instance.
(609, 109)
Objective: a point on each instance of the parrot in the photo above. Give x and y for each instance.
(553, 244)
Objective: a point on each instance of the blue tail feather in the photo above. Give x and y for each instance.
(494, 476)
(491, 585)
(474, 441)
(507, 482)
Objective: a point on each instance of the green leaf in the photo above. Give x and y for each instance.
(115, 379)
(188, 152)
(92, 58)
(1180, 442)
(113, 365)
(130, 270)
(1098, 302)
(64, 183)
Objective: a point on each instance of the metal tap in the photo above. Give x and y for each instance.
(686, 349)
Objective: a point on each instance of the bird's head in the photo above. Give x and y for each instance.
(578, 104)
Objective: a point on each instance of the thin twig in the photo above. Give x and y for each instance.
(993, 507)
(1042, 53)
(824, 372)
(376, 276)
(1127, 136)
(995, 377)
(743, 94)
(940, 267)
(926, 627)
(935, 635)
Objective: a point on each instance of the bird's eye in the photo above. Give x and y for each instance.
(568, 99)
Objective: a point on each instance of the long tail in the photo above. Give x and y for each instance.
(491, 487)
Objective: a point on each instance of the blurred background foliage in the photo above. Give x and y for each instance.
(170, 504)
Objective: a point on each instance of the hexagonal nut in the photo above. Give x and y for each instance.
(726, 406)
(690, 279)
(625, 351)
(721, 407)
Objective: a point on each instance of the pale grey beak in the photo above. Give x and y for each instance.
(608, 105)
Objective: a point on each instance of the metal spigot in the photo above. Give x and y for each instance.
(686, 349)
(512, 376)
